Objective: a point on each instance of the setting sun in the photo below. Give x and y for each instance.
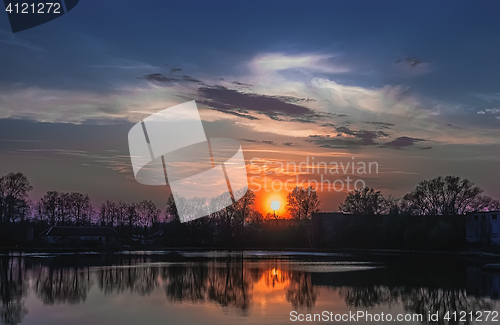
(274, 202)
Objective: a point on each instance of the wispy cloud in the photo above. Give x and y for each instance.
(319, 63)
(124, 64)
(12, 39)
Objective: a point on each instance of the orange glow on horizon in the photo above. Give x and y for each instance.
(264, 200)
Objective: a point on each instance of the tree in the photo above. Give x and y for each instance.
(450, 195)
(148, 214)
(171, 213)
(365, 201)
(63, 208)
(121, 213)
(302, 202)
(80, 208)
(131, 216)
(47, 207)
(108, 214)
(244, 207)
(14, 201)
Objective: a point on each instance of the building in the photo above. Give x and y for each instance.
(336, 229)
(79, 235)
(483, 228)
(326, 228)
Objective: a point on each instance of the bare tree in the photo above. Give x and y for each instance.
(148, 214)
(14, 201)
(131, 216)
(171, 212)
(450, 195)
(48, 207)
(302, 202)
(365, 201)
(80, 208)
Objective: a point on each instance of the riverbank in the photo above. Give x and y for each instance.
(484, 254)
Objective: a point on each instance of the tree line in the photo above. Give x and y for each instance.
(239, 223)
(447, 196)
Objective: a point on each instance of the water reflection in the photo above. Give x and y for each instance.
(237, 284)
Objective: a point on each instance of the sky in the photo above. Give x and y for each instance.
(409, 88)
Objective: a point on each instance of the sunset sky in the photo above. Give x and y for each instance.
(412, 87)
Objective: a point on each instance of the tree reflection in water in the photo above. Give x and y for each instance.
(62, 286)
(13, 289)
(232, 283)
(417, 300)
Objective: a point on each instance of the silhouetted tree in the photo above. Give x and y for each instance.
(148, 214)
(365, 201)
(302, 202)
(14, 201)
(171, 213)
(450, 195)
(80, 209)
(47, 207)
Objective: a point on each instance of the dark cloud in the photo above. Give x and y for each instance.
(223, 98)
(258, 141)
(325, 141)
(251, 140)
(357, 138)
(242, 84)
(411, 62)
(236, 113)
(159, 77)
(273, 116)
(364, 137)
(302, 120)
(412, 66)
(402, 142)
(382, 134)
(380, 123)
(289, 144)
(328, 124)
(190, 79)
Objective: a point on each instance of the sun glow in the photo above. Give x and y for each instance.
(273, 202)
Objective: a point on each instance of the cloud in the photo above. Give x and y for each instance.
(225, 99)
(235, 112)
(301, 120)
(15, 40)
(123, 64)
(159, 77)
(383, 124)
(490, 98)
(325, 141)
(412, 66)
(365, 137)
(402, 142)
(258, 141)
(321, 63)
(493, 111)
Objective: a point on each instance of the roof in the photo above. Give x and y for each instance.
(484, 212)
(79, 231)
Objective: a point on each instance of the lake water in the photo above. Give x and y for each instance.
(240, 288)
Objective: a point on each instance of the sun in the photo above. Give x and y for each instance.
(274, 202)
(275, 205)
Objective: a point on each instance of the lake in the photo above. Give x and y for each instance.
(251, 287)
